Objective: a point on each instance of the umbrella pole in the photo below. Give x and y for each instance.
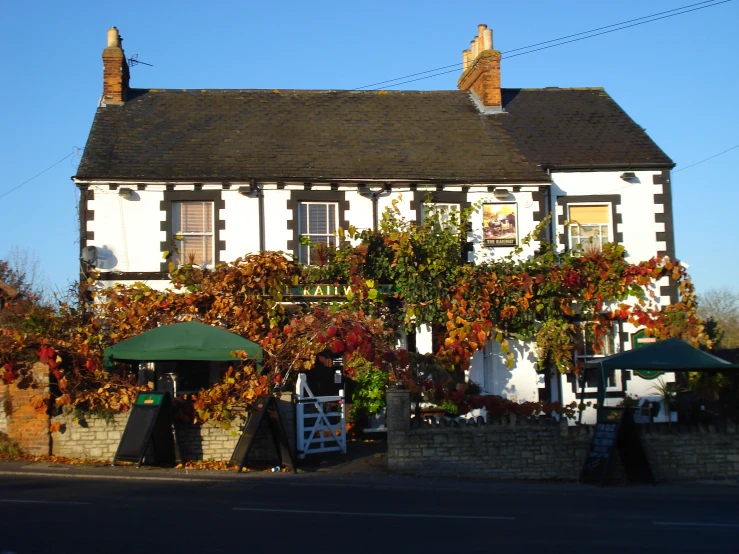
(582, 393)
(602, 386)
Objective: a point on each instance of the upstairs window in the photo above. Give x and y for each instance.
(447, 213)
(317, 222)
(192, 222)
(589, 224)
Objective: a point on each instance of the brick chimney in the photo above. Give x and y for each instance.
(115, 70)
(481, 70)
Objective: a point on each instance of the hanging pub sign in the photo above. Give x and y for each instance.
(640, 340)
(499, 224)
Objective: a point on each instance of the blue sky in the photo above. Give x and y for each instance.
(677, 78)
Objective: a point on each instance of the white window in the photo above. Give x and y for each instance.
(589, 224)
(317, 222)
(192, 223)
(448, 214)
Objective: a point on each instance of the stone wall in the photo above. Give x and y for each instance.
(546, 450)
(98, 439)
(690, 453)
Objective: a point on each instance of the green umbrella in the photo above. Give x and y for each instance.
(182, 341)
(665, 355)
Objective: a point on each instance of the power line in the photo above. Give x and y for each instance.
(620, 26)
(705, 160)
(41, 173)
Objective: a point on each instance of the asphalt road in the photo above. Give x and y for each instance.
(281, 513)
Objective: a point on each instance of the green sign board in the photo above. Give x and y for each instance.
(149, 399)
(639, 340)
(328, 290)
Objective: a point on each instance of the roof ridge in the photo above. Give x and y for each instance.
(298, 90)
(554, 88)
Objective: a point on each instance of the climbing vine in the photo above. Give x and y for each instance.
(402, 275)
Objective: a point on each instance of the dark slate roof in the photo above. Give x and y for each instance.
(577, 128)
(297, 135)
(301, 135)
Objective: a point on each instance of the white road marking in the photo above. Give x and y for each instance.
(118, 477)
(44, 502)
(372, 514)
(695, 524)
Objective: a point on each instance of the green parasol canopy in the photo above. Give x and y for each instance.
(665, 355)
(182, 341)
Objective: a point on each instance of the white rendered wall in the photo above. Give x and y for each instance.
(127, 232)
(518, 383)
(360, 210)
(637, 209)
(276, 214)
(241, 234)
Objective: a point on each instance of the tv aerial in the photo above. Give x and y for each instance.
(134, 61)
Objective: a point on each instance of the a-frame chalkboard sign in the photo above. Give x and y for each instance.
(150, 422)
(264, 405)
(615, 430)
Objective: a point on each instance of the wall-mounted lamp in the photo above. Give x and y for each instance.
(125, 193)
(628, 176)
(501, 194)
(366, 192)
(251, 191)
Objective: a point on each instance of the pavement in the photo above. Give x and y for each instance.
(365, 465)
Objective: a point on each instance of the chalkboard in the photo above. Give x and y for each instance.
(615, 430)
(264, 405)
(150, 422)
(602, 445)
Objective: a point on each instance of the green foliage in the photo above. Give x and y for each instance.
(448, 406)
(368, 397)
(9, 449)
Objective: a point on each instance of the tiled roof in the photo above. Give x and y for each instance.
(296, 135)
(577, 128)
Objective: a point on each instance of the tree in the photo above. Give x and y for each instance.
(20, 269)
(722, 306)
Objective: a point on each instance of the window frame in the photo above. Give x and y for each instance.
(563, 231)
(308, 195)
(570, 225)
(166, 225)
(448, 205)
(180, 258)
(330, 236)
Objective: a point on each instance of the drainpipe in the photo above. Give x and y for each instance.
(260, 198)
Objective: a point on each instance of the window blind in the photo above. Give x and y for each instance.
(590, 214)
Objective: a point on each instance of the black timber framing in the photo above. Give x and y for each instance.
(668, 235)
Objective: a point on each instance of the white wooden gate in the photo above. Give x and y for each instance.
(321, 420)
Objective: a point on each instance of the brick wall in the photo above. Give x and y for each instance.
(5, 406)
(96, 438)
(546, 450)
(483, 77)
(26, 425)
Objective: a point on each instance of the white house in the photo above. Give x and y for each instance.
(239, 171)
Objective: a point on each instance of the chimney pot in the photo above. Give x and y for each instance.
(114, 39)
(487, 39)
